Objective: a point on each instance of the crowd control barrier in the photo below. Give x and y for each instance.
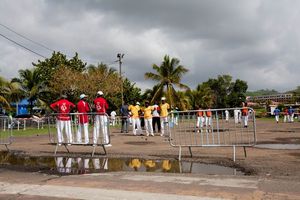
(79, 129)
(5, 131)
(224, 128)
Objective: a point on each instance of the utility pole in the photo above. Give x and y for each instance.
(120, 57)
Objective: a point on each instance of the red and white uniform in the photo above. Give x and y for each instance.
(101, 105)
(63, 107)
(101, 121)
(83, 107)
(83, 119)
(200, 119)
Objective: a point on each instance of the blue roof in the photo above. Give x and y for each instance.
(23, 102)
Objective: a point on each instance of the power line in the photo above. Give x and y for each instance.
(22, 46)
(37, 43)
(41, 45)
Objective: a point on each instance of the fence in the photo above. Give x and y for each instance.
(81, 129)
(25, 123)
(5, 131)
(222, 128)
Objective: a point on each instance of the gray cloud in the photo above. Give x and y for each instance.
(257, 41)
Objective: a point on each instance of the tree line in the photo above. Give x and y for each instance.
(57, 75)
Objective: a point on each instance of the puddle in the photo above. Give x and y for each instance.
(278, 146)
(85, 165)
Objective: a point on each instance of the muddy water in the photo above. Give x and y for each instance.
(83, 165)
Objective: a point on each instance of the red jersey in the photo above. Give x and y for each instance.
(244, 111)
(100, 105)
(285, 111)
(83, 107)
(208, 113)
(200, 113)
(63, 107)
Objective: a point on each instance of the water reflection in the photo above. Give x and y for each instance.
(83, 165)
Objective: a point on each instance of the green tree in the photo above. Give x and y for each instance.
(168, 74)
(49, 66)
(32, 86)
(4, 91)
(237, 93)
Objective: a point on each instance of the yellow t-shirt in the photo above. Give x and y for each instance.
(134, 110)
(135, 163)
(147, 112)
(164, 109)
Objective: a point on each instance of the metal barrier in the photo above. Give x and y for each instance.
(24, 123)
(81, 129)
(224, 128)
(5, 131)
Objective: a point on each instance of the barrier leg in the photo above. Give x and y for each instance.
(179, 154)
(94, 149)
(190, 149)
(245, 152)
(233, 153)
(55, 149)
(6, 147)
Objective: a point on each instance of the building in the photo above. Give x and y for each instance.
(281, 98)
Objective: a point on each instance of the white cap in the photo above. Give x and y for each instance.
(163, 98)
(82, 96)
(100, 93)
(137, 103)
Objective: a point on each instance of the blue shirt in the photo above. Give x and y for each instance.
(276, 111)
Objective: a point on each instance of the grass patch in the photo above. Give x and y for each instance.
(30, 132)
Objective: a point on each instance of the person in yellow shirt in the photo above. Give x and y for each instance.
(148, 118)
(164, 107)
(135, 164)
(136, 123)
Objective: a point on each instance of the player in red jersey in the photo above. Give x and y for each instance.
(101, 121)
(83, 119)
(63, 107)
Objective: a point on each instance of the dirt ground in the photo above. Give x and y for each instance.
(262, 163)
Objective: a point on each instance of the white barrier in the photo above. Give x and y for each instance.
(225, 128)
(5, 131)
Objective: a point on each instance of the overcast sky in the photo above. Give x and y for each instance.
(254, 40)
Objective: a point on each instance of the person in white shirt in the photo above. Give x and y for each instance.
(113, 117)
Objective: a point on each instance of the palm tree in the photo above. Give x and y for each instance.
(4, 93)
(32, 85)
(168, 74)
(9, 92)
(101, 68)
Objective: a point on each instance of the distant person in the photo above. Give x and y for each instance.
(136, 123)
(276, 113)
(226, 115)
(164, 107)
(237, 116)
(291, 113)
(285, 114)
(113, 117)
(101, 121)
(200, 119)
(63, 107)
(125, 118)
(175, 115)
(83, 120)
(208, 119)
(156, 117)
(148, 118)
(245, 115)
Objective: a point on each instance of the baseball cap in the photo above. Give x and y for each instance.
(137, 103)
(63, 96)
(82, 96)
(163, 98)
(100, 93)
